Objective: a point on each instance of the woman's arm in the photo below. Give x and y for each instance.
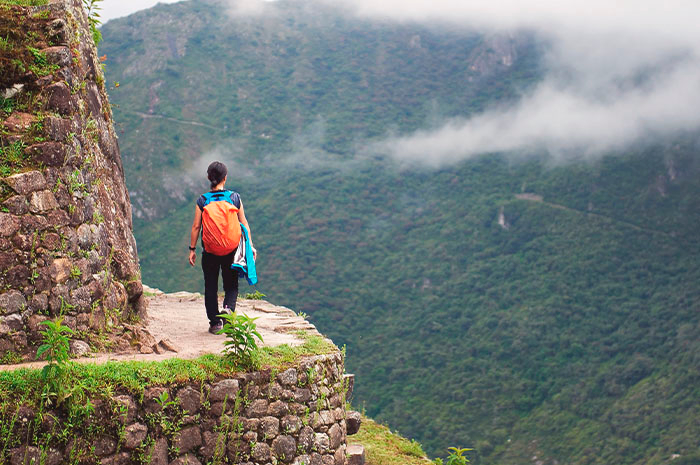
(194, 234)
(244, 222)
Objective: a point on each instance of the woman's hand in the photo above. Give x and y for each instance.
(194, 234)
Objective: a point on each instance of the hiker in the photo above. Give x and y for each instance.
(219, 215)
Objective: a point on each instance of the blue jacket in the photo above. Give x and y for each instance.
(244, 260)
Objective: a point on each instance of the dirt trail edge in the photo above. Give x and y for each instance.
(179, 325)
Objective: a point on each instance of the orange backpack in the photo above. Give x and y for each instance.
(221, 230)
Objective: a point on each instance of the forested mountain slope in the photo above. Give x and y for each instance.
(561, 324)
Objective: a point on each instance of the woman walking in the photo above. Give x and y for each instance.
(218, 215)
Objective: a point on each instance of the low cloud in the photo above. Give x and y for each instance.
(566, 122)
(238, 8)
(617, 73)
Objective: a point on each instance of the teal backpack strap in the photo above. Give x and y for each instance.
(218, 196)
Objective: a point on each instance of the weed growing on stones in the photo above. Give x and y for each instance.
(12, 159)
(56, 351)
(144, 452)
(5, 45)
(257, 295)
(41, 14)
(241, 332)
(7, 104)
(75, 273)
(26, 2)
(163, 401)
(10, 358)
(41, 66)
(75, 184)
(456, 457)
(93, 6)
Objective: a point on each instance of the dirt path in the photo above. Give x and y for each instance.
(180, 327)
(539, 199)
(174, 120)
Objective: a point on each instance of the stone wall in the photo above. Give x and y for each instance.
(66, 241)
(294, 415)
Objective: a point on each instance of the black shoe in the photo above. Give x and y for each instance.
(216, 327)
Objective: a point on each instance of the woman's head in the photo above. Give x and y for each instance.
(216, 173)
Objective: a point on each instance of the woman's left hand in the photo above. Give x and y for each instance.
(193, 257)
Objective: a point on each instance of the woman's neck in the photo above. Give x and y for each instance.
(219, 187)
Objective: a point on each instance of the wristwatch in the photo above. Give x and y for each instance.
(193, 249)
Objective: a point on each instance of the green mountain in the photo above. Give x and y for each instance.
(535, 311)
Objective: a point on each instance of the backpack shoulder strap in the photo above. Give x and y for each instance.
(207, 198)
(220, 196)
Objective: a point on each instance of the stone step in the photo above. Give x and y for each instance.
(353, 421)
(356, 454)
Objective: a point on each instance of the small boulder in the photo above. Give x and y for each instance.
(79, 348)
(187, 459)
(355, 455)
(19, 121)
(187, 439)
(9, 224)
(41, 202)
(321, 442)
(12, 302)
(261, 452)
(353, 422)
(60, 98)
(60, 56)
(284, 448)
(257, 409)
(134, 435)
(269, 427)
(189, 399)
(26, 183)
(224, 390)
(60, 270)
(288, 377)
(335, 436)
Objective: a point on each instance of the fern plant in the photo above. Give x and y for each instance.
(241, 332)
(92, 7)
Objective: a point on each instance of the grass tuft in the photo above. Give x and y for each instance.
(24, 2)
(25, 385)
(386, 448)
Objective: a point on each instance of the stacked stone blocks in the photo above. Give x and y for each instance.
(66, 241)
(294, 416)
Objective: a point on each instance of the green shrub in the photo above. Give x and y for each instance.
(456, 456)
(257, 295)
(240, 331)
(55, 348)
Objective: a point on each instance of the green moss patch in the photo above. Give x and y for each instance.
(25, 385)
(386, 448)
(22, 40)
(24, 2)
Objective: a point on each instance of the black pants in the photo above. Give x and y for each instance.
(211, 265)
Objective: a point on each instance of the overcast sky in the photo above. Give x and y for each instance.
(117, 8)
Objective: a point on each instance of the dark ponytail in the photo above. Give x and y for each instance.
(216, 173)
